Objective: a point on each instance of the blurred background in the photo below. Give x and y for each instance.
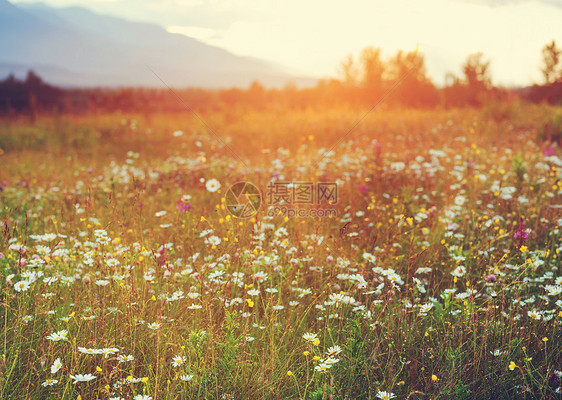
(87, 55)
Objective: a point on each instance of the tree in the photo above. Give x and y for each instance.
(416, 89)
(373, 69)
(477, 72)
(551, 58)
(349, 71)
(475, 88)
(33, 80)
(257, 95)
(403, 62)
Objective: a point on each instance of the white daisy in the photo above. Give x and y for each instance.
(385, 395)
(142, 397)
(82, 378)
(334, 350)
(310, 337)
(212, 185)
(21, 286)
(178, 361)
(123, 358)
(57, 336)
(56, 366)
(214, 240)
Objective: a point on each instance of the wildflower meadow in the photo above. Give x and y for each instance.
(282, 254)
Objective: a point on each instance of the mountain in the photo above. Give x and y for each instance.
(76, 47)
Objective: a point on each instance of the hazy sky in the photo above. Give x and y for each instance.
(312, 37)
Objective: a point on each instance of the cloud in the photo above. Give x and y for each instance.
(495, 3)
(502, 3)
(196, 32)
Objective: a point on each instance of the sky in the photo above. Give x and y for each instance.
(312, 37)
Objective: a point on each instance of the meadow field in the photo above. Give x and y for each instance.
(429, 269)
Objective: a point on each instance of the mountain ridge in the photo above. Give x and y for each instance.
(100, 50)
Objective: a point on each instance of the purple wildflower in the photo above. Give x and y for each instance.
(182, 206)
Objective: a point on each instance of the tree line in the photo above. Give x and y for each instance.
(362, 81)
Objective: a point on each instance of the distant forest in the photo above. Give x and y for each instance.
(362, 81)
